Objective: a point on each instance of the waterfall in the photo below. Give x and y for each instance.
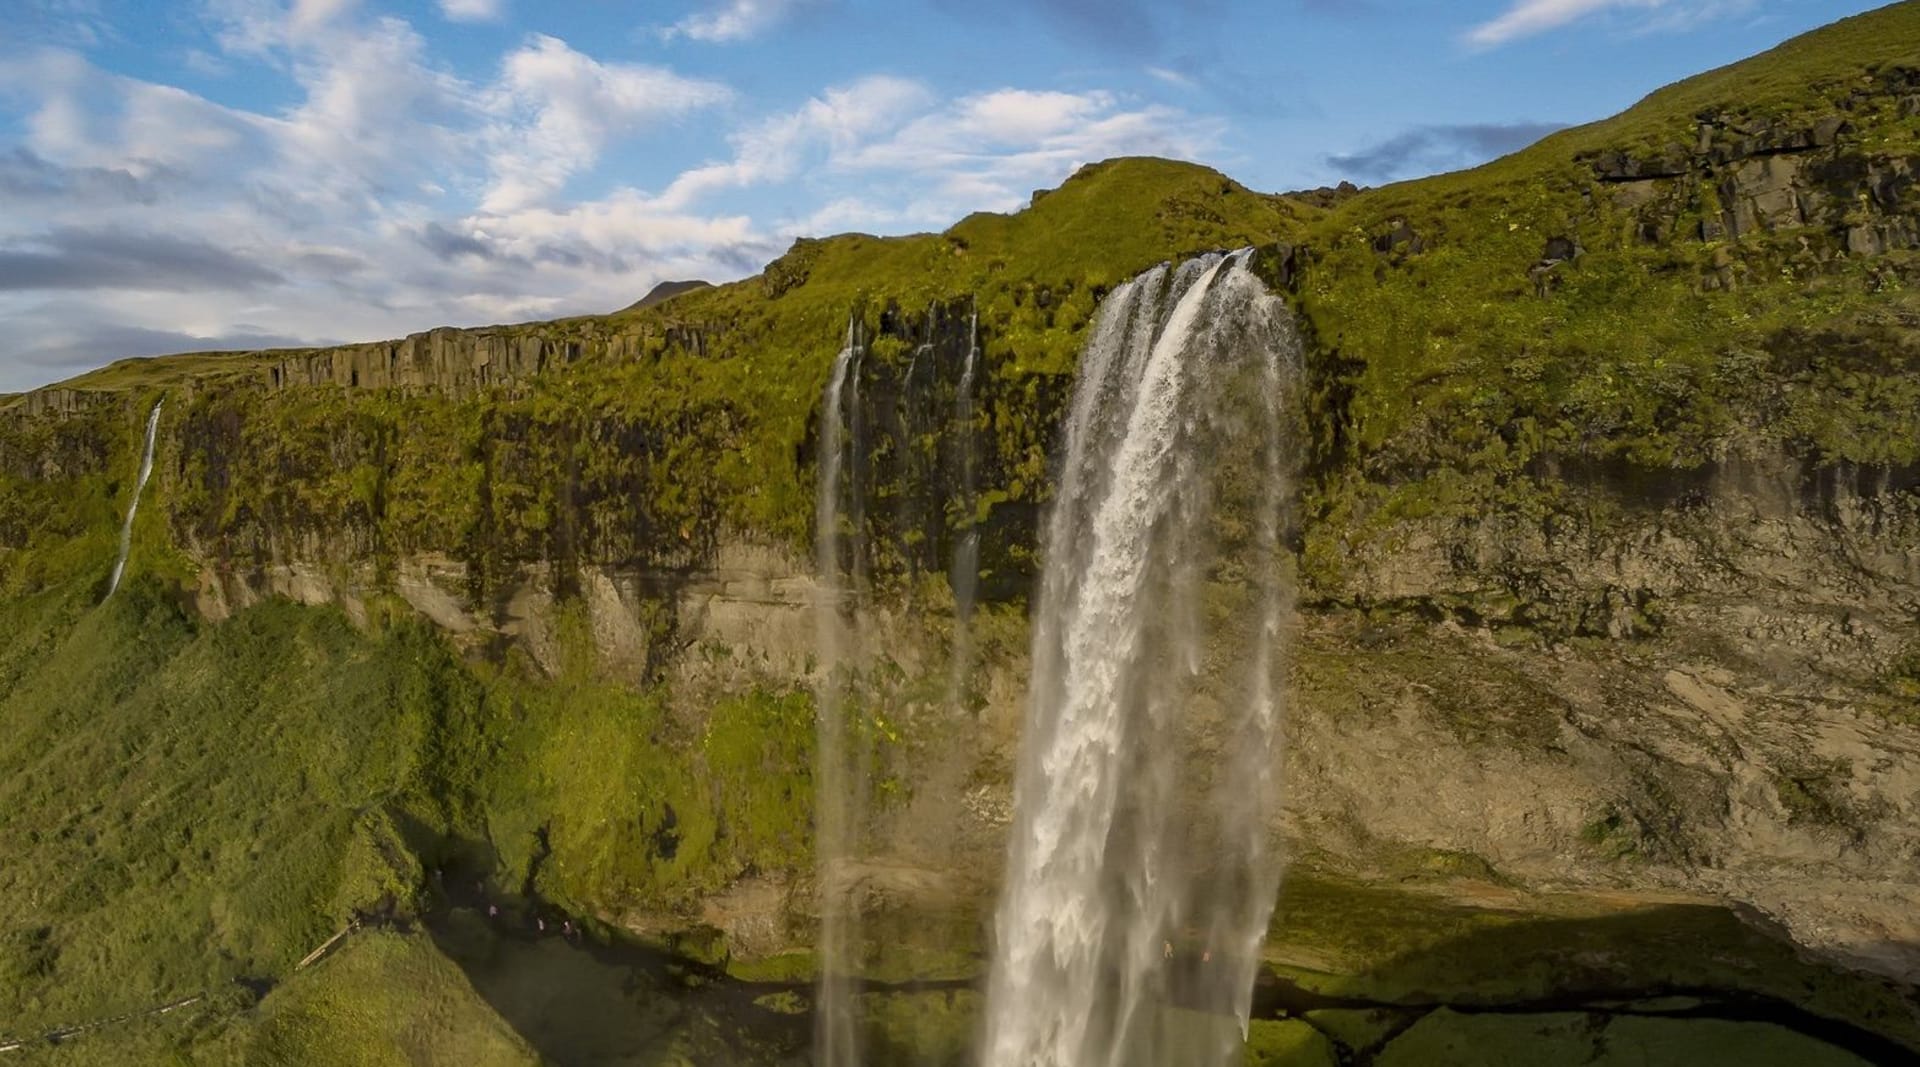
(965, 577)
(1140, 876)
(835, 1038)
(133, 506)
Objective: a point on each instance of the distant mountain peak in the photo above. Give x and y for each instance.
(666, 291)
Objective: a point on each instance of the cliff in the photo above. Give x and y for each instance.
(1608, 546)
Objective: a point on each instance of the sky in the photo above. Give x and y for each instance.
(210, 174)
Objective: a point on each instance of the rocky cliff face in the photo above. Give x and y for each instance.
(466, 362)
(1743, 176)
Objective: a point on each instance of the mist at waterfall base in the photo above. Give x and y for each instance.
(133, 506)
(1140, 875)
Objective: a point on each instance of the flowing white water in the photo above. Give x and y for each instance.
(1140, 876)
(966, 553)
(133, 506)
(835, 1041)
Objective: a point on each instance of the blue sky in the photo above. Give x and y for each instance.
(243, 173)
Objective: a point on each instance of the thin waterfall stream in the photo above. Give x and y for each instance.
(133, 506)
(965, 573)
(835, 1030)
(1140, 877)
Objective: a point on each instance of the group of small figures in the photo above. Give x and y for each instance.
(535, 922)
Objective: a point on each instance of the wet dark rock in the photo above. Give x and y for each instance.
(1327, 195)
(1619, 166)
(1560, 249)
(791, 271)
(1401, 238)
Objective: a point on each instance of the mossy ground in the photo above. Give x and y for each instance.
(381, 999)
(1434, 942)
(1574, 1040)
(185, 806)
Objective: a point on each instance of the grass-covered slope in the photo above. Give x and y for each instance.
(189, 808)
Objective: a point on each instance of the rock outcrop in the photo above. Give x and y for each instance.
(1826, 175)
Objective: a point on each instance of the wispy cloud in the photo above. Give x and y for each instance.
(1429, 149)
(1172, 77)
(921, 161)
(775, 149)
(557, 108)
(731, 20)
(1528, 17)
(473, 10)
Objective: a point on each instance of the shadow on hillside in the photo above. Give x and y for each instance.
(580, 999)
(1676, 963)
(1679, 984)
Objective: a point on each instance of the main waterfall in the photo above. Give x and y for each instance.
(1140, 876)
(133, 506)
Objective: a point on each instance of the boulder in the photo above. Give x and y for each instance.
(1561, 249)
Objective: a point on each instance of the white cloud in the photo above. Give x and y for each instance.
(736, 20)
(392, 194)
(847, 214)
(81, 116)
(318, 219)
(376, 113)
(473, 10)
(1172, 77)
(774, 150)
(557, 109)
(924, 163)
(991, 150)
(306, 16)
(1528, 17)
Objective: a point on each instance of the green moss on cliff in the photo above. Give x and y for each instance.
(1585, 301)
(619, 806)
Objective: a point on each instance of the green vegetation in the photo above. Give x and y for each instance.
(1340, 937)
(185, 805)
(1453, 365)
(1288, 1043)
(383, 998)
(640, 809)
(1578, 1039)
